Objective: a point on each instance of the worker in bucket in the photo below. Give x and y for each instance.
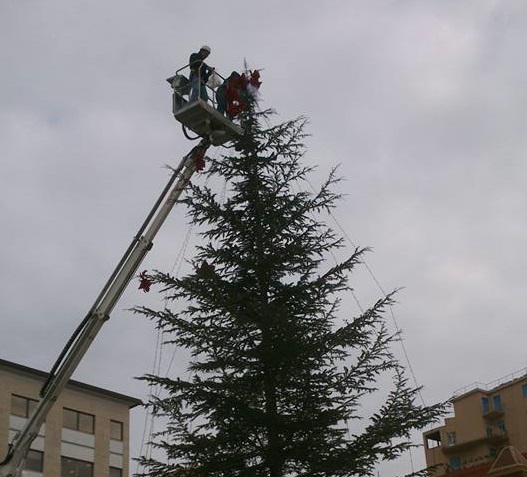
(199, 74)
(222, 92)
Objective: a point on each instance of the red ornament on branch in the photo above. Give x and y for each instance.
(145, 281)
(199, 159)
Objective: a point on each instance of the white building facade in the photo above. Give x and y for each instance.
(86, 433)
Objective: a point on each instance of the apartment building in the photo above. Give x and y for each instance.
(85, 433)
(486, 420)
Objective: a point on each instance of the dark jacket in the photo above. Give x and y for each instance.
(198, 67)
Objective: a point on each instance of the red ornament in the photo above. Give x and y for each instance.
(236, 89)
(199, 159)
(255, 79)
(145, 282)
(206, 270)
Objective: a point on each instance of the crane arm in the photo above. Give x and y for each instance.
(99, 313)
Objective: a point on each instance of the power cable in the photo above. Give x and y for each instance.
(392, 313)
(381, 288)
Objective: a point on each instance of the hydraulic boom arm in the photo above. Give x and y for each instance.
(82, 338)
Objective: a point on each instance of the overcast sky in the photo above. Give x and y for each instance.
(423, 103)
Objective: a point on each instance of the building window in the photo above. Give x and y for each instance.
(489, 431)
(485, 405)
(116, 472)
(502, 428)
(116, 430)
(454, 462)
(496, 402)
(22, 406)
(451, 438)
(524, 390)
(75, 468)
(78, 421)
(35, 461)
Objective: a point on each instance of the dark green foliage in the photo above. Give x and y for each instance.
(278, 371)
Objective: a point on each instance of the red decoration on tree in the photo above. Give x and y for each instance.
(145, 281)
(234, 95)
(199, 158)
(206, 270)
(255, 79)
(238, 87)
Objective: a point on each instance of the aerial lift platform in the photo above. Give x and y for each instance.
(199, 116)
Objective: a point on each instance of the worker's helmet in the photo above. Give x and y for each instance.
(206, 48)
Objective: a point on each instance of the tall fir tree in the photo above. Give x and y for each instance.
(278, 371)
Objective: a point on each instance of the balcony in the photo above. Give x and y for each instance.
(492, 439)
(493, 414)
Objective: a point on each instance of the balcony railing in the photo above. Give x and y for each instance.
(495, 438)
(492, 413)
(181, 83)
(492, 385)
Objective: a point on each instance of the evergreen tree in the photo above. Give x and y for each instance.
(278, 371)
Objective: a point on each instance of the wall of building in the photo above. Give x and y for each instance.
(515, 414)
(477, 432)
(468, 423)
(55, 440)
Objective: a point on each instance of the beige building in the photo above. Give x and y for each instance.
(85, 433)
(487, 419)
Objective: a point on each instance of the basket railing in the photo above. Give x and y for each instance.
(181, 83)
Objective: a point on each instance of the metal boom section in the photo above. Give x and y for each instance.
(86, 332)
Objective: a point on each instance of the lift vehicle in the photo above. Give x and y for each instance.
(213, 129)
